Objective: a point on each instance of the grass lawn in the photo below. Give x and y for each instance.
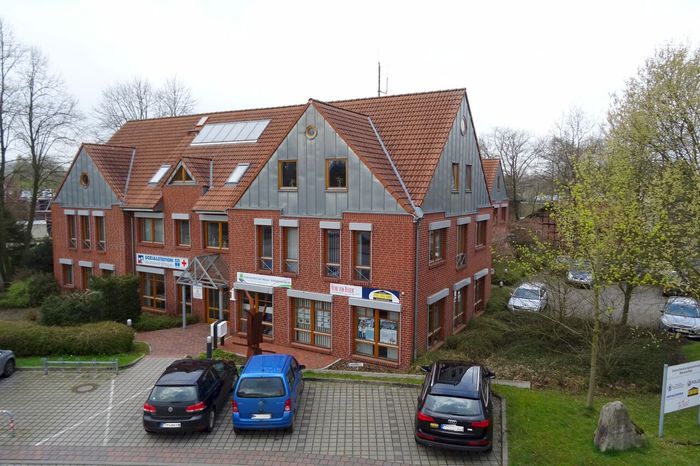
(378, 378)
(549, 427)
(140, 348)
(691, 350)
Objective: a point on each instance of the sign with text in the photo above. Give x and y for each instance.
(167, 262)
(682, 387)
(197, 291)
(375, 294)
(264, 280)
(221, 328)
(351, 291)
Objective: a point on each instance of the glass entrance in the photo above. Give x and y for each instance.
(211, 298)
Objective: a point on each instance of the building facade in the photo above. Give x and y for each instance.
(362, 228)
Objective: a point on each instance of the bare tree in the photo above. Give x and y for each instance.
(10, 58)
(48, 122)
(517, 153)
(174, 98)
(137, 100)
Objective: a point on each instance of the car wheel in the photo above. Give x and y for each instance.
(211, 420)
(236, 430)
(9, 368)
(290, 429)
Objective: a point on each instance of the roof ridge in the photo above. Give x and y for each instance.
(443, 91)
(339, 108)
(107, 145)
(219, 112)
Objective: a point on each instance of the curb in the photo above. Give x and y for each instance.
(360, 381)
(504, 431)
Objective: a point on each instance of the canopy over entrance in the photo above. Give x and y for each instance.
(208, 271)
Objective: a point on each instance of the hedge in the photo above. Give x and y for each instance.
(31, 339)
(149, 322)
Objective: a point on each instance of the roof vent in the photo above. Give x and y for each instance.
(202, 120)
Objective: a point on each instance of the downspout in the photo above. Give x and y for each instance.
(131, 215)
(417, 215)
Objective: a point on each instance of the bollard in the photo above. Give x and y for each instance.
(209, 347)
(46, 366)
(128, 322)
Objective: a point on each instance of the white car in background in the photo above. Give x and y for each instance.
(529, 296)
(681, 315)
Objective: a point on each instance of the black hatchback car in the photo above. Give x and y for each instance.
(188, 395)
(454, 408)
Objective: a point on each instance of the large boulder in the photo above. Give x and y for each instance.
(616, 431)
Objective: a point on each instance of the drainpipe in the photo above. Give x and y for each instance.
(133, 244)
(416, 222)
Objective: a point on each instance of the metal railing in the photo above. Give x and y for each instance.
(80, 365)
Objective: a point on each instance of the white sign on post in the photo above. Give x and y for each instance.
(681, 389)
(221, 329)
(197, 291)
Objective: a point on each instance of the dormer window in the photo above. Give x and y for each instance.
(181, 175)
(159, 174)
(237, 173)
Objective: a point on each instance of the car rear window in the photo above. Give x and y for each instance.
(174, 394)
(453, 405)
(526, 293)
(261, 387)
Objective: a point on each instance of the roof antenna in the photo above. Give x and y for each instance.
(379, 81)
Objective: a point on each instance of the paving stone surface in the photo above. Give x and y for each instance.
(95, 418)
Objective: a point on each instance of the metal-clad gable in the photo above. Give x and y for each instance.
(97, 194)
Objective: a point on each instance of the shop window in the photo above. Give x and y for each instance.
(265, 248)
(336, 174)
(479, 295)
(468, 178)
(459, 305)
(67, 274)
(437, 245)
(377, 333)
(86, 275)
(462, 231)
(151, 230)
(182, 232)
(481, 233)
(290, 248)
(264, 306)
(152, 290)
(187, 300)
(85, 232)
(331, 253)
(435, 322)
(455, 177)
(362, 255)
(101, 232)
(72, 231)
(216, 235)
(288, 175)
(312, 322)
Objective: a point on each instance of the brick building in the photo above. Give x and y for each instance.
(362, 226)
(496, 184)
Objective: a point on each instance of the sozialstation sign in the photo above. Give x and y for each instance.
(681, 389)
(166, 262)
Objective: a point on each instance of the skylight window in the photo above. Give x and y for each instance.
(159, 174)
(230, 133)
(237, 173)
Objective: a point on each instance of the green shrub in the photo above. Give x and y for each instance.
(498, 299)
(39, 257)
(510, 272)
(71, 309)
(17, 295)
(31, 339)
(41, 286)
(119, 297)
(148, 322)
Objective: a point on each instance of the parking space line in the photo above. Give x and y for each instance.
(109, 413)
(77, 424)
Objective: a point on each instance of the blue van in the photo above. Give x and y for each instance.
(267, 393)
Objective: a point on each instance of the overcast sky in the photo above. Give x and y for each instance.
(523, 63)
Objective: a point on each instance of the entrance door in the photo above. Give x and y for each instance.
(211, 298)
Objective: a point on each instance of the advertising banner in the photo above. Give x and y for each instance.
(682, 387)
(166, 262)
(380, 294)
(264, 280)
(351, 291)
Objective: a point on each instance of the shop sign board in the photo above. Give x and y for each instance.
(264, 280)
(680, 390)
(166, 262)
(351, 291)
(375, 294)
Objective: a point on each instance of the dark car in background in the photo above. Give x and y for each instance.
(7, 363)
(454, 407)
(188, 395)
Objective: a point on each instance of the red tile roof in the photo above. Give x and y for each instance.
(413, 128)
(490, 171)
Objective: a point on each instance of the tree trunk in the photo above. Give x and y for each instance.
(36, 174)
(594, 346)
(627, 290)
(4, 263)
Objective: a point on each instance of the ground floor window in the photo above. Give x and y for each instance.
(479, 295)
(152, 290)
(435, 323)
(86, 273)
(187, 300)
(264, 306)
(67, 274)
(460, 302)
(383, 343)
(106, 272)
(213, 302)
(312, 322)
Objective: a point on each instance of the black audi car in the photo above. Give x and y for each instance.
(454, 408)
(188, 395)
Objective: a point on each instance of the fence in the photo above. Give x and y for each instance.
(80, 365)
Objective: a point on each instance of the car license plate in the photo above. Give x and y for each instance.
(261, 416)
(170, 424)
(452, 427)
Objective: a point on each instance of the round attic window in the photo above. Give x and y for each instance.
(311, 132)
(84, 180)
(463, 125)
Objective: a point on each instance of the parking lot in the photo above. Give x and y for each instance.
(96, 418)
